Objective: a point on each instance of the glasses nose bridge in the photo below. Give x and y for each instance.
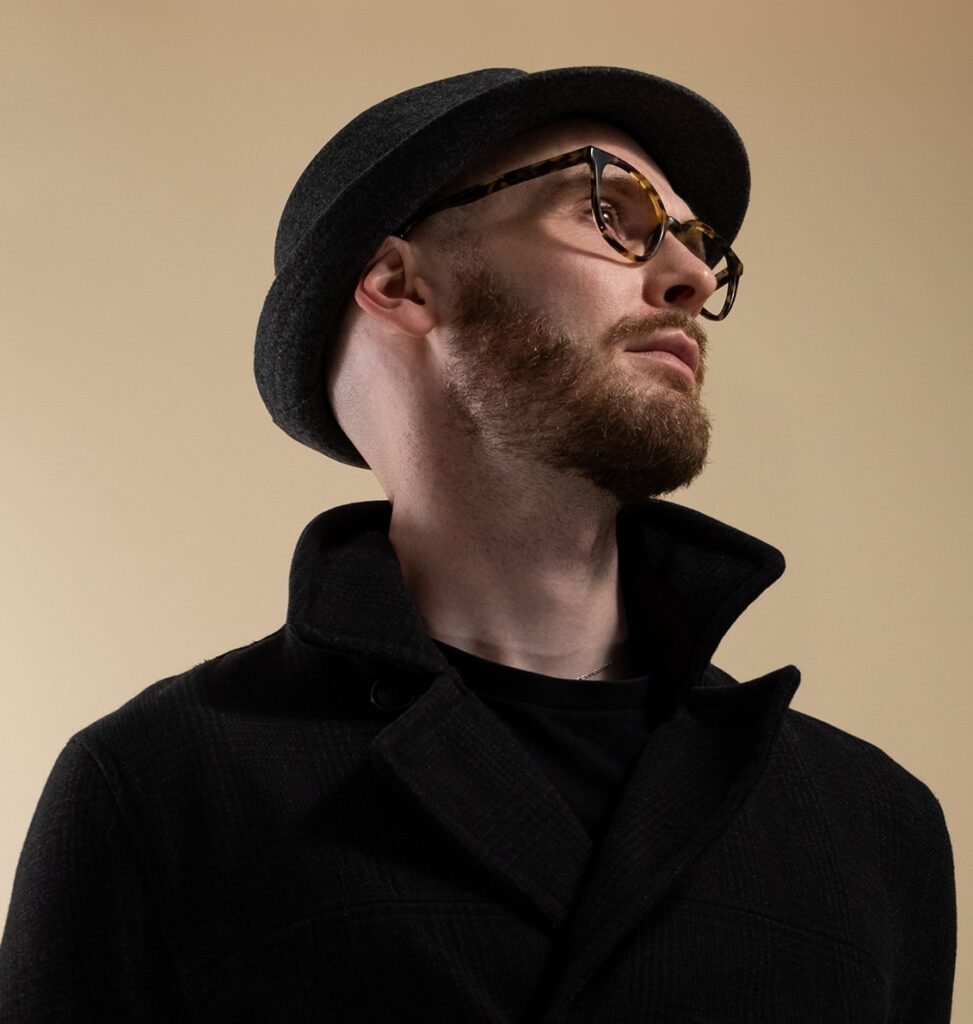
(679, 232)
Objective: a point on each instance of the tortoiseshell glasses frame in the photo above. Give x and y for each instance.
(701, 240)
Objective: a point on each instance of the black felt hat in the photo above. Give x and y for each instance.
(387, 162)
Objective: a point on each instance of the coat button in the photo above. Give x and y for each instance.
(391, 696)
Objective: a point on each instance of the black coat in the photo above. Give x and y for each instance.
(329, 825)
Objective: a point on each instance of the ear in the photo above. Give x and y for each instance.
(391, 289)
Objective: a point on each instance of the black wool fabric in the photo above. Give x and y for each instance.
(330, 823)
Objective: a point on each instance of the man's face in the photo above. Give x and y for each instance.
(546, 315)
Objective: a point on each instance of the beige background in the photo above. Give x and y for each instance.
(151, 507)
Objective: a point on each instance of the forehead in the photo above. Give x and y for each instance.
(562, 136)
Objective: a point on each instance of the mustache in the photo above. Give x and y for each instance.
(640, 326)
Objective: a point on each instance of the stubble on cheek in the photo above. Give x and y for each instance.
(523, 387)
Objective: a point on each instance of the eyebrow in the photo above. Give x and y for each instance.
(564, 180)
(571, 178)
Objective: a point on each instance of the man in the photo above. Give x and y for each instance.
(486, 771)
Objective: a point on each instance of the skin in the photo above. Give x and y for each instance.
(474, 414)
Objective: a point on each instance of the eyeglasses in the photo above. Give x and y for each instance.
(628, 212)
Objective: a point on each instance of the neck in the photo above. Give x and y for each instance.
(529, 581)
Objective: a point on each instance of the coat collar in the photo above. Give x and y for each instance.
(448, 757)
(685, 577)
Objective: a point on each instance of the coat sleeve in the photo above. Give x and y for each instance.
(82, 940)
(929, 953)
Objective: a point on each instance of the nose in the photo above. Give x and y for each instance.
(675, 278)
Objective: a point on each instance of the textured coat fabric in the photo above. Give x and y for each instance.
(329, 825)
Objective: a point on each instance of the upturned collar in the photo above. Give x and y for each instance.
(685, 576)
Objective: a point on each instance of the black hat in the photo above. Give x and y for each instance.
(387, 162)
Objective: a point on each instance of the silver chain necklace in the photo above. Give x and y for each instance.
(597, 670)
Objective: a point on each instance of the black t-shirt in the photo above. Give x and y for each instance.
(586, 734)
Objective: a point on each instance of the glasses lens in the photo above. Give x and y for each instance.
(701, 241)
(632, 215)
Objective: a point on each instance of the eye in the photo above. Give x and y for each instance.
(610, 214)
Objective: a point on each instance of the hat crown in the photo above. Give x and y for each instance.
(367, 139)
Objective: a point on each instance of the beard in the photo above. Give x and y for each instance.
(522, 388)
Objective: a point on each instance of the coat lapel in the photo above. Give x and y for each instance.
(693, 776)
(462, 768)
(447, 754)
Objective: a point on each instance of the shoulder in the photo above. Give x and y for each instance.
(885, 812)
(167, 702)
(188, 719)
(850, 773)
(846, 763)
(236, 718)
